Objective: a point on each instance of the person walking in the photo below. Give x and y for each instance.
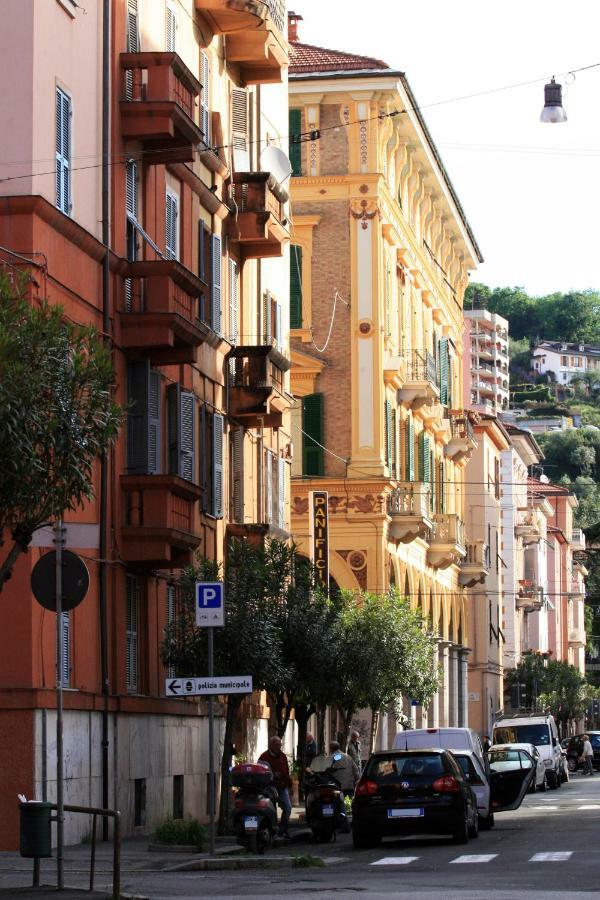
(277, 760)
(310, 750)
(354, 749)
(588, 756)
(486, 743)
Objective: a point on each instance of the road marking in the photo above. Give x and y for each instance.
(590, 806)
(545, 808)
(475, 858)
(395, 861)
(561, 856)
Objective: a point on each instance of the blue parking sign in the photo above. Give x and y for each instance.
(210, 607)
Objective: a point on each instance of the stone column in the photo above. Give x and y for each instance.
(444, 699)
(463, 693)
(434, 706)
(453, 685)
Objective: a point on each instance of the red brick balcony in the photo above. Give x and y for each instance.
(160, 313)
(255, 36)
(159, 106)
(255, 385)
(259, 223)
(158, 521)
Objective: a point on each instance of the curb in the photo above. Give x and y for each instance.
(248, 862)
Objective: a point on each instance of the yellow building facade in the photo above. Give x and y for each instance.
(379, 262)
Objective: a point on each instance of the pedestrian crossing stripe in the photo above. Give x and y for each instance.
(560, 856)
(590, 806)
(395, 861)
(475, 858)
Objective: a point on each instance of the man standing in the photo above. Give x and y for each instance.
(354, 749)
(588, 756)
(310, 751)
(277, 760)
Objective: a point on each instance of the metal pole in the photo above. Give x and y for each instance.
(211, 755)
(60, 812)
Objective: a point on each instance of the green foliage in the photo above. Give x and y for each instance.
(572, 453)
(56, 414)
(547, 410)
(182, 832)
(307, 861)
(539, 394)
(554, 685)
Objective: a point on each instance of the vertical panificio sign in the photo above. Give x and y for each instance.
(319, 536)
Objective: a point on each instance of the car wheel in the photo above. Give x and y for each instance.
(552, 780)
(460, 835)
(486, 822)
(362, 841)
(474, 828)
(558, 779)
(572, 765)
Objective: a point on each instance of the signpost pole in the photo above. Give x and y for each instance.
(211, 750)
(59, 540)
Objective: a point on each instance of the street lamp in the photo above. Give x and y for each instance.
(553, 110)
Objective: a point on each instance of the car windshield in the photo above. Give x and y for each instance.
(506, 759)
(466, 764)
(522, 734)
(390, 767)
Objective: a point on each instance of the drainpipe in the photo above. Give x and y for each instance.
(102, 587)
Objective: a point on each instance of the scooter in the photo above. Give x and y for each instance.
(255, 806)
(325, 809)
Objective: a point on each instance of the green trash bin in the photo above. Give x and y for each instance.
(36, 840)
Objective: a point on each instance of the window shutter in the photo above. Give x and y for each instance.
(424, 457)
(442, 486)
(201, 250)
(312, 407)
(205, 97)
(295, 121)
(132, 593)
(267, 326)
(143, 419)
(234, 311)
(216, 283)
(281, 464)
(154, 423)
(443, 355)
(171, 610)
(387, 414)
(133, 43)
(268, 486)
(131, 188)
(277, 335)
(182, 432)
(239, 129)
(171, 30)
(172, 226)
(65, 637)
(205, 461)
(388, 297)
(295, 286)
(63, 151)
(217, 493)
(395, 462)
(237, 475)
(409, 450)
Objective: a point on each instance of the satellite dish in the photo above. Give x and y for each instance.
(275, 161)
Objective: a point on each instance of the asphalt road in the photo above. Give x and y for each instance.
(548, 848)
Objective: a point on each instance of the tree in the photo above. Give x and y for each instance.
(250, 642)
(566, 694)
(572, 453)
(56, 416)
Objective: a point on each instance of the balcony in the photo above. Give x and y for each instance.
(158, 106)
(576, 637)
(462, 437)
(258, 222)
(446, 541)
(577, 539)
(409, 507)
(475, 567)
(421, 384)
(255, 36)
(530, 597)
(158, 521)
(160, 314)
(528, 529)
(255, 384)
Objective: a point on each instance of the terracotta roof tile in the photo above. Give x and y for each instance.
(305, 58)
(543, 487)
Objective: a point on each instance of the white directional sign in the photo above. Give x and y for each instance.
(194, 687)
(210, 604)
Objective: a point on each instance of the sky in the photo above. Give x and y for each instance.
(531, 191)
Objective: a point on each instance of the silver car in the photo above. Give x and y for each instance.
(476, 775)
(540, 771)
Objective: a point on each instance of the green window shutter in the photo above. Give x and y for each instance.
(295, 286)
(443, 356)
(409, 434)
(312, 410)
(387, 413)
(295, 145)
(424, 457)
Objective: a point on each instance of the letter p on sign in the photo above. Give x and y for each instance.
(210, 608)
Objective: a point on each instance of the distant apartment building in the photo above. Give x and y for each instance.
(565, 361)
(486, 340)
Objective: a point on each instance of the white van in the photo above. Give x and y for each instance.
(540, 731)
(446, 738)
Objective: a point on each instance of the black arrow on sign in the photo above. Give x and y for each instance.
(174, 687)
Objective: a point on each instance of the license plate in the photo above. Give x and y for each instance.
(405, 813)
(327, 810)
(251, 823)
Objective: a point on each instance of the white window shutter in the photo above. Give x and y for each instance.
(172, 226)
(171, 604)
(132, 593)
(281, 464)
(205, 97)
(277, 334)
(131, 188)
(65, 637)
(171, 30)
(268, 486)
(239, 129)
(63, 151)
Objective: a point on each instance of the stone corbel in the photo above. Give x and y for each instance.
(363, 210)
(406, 174)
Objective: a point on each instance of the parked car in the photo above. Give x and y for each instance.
(540, 731)
(404, 792)
(539, 782)
(476, 774)
(447, 738)
(575, 748)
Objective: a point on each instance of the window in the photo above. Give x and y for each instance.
(239, 129)
(234, 303)
(131, 204)
(172, 225)
(181, 407)
(171, 613)
(312, 424)
(564, 361)
(132, 43)
(63, 152)
(205, 97)
(281, 473)
(424, 457)
(275, 493)
(139, 802)
(387, 419)
(212, 426)
(295, 286)
(444, 370)
(178, 796)
(215, 286)
(236, 474)
(171, 29)
(65, 637)
(270, 325)
(143, 419)
(409, 449)
(295, 127)
(132, 600)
